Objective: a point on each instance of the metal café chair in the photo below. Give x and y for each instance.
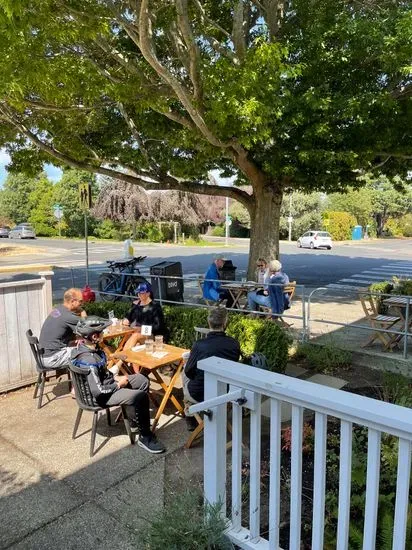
(87, 402)
(43, 371)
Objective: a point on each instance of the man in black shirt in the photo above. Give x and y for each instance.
(216, 344)
(57, 332)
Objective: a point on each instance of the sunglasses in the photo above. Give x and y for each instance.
(260, 265)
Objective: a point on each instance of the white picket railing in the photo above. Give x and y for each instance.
(378, 417)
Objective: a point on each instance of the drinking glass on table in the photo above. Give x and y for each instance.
(158, 345)
(148, 345)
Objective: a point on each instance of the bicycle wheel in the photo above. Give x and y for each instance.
(109, 287)
(132, 285)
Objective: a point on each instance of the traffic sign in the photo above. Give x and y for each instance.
(58, 212)
(85, 196)
(290, 219)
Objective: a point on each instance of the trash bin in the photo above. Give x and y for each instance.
(357, 233)
(228, 271)
(167, 289)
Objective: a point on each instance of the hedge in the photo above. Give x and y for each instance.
(253, 335)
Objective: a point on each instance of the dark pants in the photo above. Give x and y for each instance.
(225, 295)
(135, 397)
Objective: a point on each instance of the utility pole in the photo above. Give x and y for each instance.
(85, 198)
(228, 221)
(290, 218)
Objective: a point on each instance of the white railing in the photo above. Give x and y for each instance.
(378, 417)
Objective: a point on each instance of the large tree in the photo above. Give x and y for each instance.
(280, 94)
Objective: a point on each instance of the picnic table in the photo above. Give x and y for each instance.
(152, 362)
(116, 331)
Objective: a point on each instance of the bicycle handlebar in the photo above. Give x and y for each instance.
(124, 263)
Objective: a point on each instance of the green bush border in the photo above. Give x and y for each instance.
(253, 335)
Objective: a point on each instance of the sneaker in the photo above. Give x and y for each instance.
(151, 443)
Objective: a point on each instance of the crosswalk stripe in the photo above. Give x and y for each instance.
(354, 280)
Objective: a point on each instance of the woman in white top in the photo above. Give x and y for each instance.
(260, 297)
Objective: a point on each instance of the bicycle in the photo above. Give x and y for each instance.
(121, 281)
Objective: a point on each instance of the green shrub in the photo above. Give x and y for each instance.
(258, 335)
(218, 231)
(393, 228)
(402, 286)
(383, 287)
(406, 224)
(188, 523)
(325, 359)
(339, 224)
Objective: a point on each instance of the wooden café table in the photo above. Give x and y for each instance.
(117, 331)
(171, 355)
(239, 290)
(400, 304)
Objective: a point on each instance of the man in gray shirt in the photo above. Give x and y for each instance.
(57, 333)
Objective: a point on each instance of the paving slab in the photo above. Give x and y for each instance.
(29, 497)
(326, 380)
(138, 499)
(89, 527)
(295, 371)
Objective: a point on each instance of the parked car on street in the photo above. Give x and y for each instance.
(315, 239)
(4, 231)
(22, 231)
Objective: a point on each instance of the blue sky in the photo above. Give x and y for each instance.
(53, 172)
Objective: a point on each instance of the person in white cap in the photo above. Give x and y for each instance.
(279, 300)
(211, 285)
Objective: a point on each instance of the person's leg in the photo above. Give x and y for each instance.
(139, 382)
(251, 300)
(191, 422)
(262, 300)
(225, 295)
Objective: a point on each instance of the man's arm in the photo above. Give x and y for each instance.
(191, 365)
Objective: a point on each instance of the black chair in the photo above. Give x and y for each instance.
(43, 371)
(87, 402)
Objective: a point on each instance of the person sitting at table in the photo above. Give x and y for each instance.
(57, 333)
(260, 297)
(212, 286)
(109, 390)
(145, 311)
(216, 343)
(279, 299)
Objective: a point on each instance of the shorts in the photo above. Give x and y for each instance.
(59, 359)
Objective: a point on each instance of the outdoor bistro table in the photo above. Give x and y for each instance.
(400, 304)
(114, 332)
(171, 355)
(238, 290)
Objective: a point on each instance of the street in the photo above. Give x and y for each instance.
(346, 267)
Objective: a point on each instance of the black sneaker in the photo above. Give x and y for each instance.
(151, 443)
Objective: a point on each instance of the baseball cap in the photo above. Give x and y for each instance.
(144, 287)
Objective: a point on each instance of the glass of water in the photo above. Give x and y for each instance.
(148, 345)
(158, 343)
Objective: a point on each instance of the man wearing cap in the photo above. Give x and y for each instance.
(145, 312)
(57, 333)
(211, 284)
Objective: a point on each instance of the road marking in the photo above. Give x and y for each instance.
(374, 275)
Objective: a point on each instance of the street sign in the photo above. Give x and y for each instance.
(58, 212)
(85, 196)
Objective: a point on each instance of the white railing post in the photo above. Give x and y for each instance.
(215, 436)
(47, 292)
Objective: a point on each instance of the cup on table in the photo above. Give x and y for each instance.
(158, 343)
(243, 279)
(148, 345)
(115, 321)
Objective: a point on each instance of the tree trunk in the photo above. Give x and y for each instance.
(264, 227)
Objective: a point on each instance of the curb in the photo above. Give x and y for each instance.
(25, 268)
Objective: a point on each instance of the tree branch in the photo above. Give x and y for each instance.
(238, 33)
(147, 49)
(192, 48)
(132, 127)
(147, 180)
(41, 106)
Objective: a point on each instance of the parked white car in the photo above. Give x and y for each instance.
(22, 231)
(315, 239)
